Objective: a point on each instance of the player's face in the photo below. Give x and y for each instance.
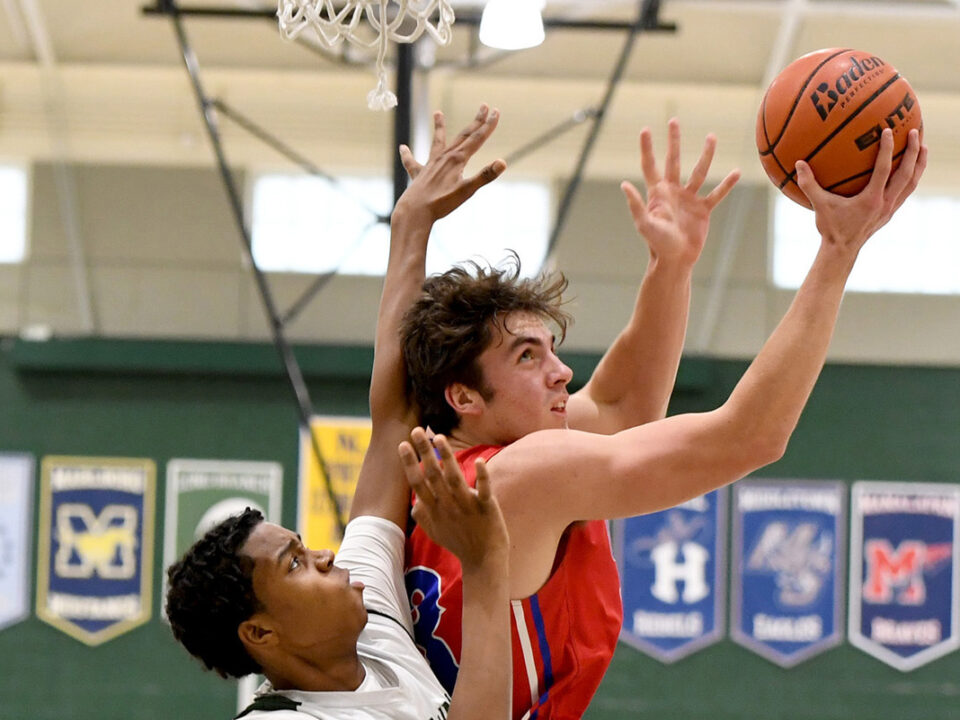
(307, 599)
(528, 381)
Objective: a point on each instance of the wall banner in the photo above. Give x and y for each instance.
(343, 443)
(672, 566)
(16, 519)
(202, 493)
(95, 547)
(904, 563)
(786, 591)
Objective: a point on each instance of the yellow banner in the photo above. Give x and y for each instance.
(343, 442)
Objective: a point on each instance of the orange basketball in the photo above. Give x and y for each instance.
(829, 108)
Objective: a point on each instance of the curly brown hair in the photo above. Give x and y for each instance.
(211, 593)
(454, 321)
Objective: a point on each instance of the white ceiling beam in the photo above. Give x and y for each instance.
(793, 14)
(55, 109)
(839, 8)
(17, 28)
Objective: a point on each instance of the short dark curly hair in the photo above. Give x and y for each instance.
(453, 321)
(211, 592)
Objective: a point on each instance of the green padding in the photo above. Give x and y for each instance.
(129, 356)
(188, 357)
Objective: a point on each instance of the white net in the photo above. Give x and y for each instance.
(398, 20)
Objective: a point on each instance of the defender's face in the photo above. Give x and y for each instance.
(528, 380)
(308, 600)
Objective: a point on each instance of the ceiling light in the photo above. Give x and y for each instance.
(512, 24)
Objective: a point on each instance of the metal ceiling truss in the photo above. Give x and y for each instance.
(291, 366)
(647, 19)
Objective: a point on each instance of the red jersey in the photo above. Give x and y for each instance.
(563, 636)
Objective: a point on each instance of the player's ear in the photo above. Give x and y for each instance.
(463, 399)
(257, 633)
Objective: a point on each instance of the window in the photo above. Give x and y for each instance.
(13, 214)
(310, 225)
(918, 251)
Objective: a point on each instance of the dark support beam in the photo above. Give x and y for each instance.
(292, 368)
(403, 115)
(646, 15)
(463, 19)
(292, 155)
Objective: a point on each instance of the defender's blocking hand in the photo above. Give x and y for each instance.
(467, 521)
(439, 188)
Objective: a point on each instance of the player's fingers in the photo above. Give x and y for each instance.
(908, 161)
(450, 470)
(881, 169)
(422, 513)
(483, 480)
(452, 488)
(700, 170)
(479, 136)
(672, 169)
(723, 189)
(428, 458)
(648, 162)
(479, 119)
(414, 473)
(808, 183)
(914, 180)
(638, 208)
(439, 135)
(486, 176)
(410, 163)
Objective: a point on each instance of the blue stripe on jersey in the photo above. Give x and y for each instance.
(544, 649)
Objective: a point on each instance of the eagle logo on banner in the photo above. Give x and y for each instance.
(904, 568)
(95, 553)
(788, 545)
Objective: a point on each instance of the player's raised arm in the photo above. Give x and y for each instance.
(468, 522)
(438, 188)
(571, 476)
(634, 380)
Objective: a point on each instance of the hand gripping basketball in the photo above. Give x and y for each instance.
(829, 109)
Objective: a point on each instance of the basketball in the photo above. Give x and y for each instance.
(829, 108)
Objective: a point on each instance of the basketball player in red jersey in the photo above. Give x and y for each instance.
(482, 368)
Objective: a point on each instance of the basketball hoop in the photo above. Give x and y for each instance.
(402, 21)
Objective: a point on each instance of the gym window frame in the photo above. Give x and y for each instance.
(917, 252)
(14, 216)
(294, 217)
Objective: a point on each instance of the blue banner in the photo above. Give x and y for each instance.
(904, 553)
(95, 551)
(787, 590)
(672, 565)
(16, 516)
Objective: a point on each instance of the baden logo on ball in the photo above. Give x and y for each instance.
(829, 108)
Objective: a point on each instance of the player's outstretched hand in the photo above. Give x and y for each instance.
(847, 222)
(674, 218)
(439, 188)
(466, 521)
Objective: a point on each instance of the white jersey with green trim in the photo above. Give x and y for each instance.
(399, 684)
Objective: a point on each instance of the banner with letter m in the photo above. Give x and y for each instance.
(672, 565)
(95, 549)
(904, 555)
